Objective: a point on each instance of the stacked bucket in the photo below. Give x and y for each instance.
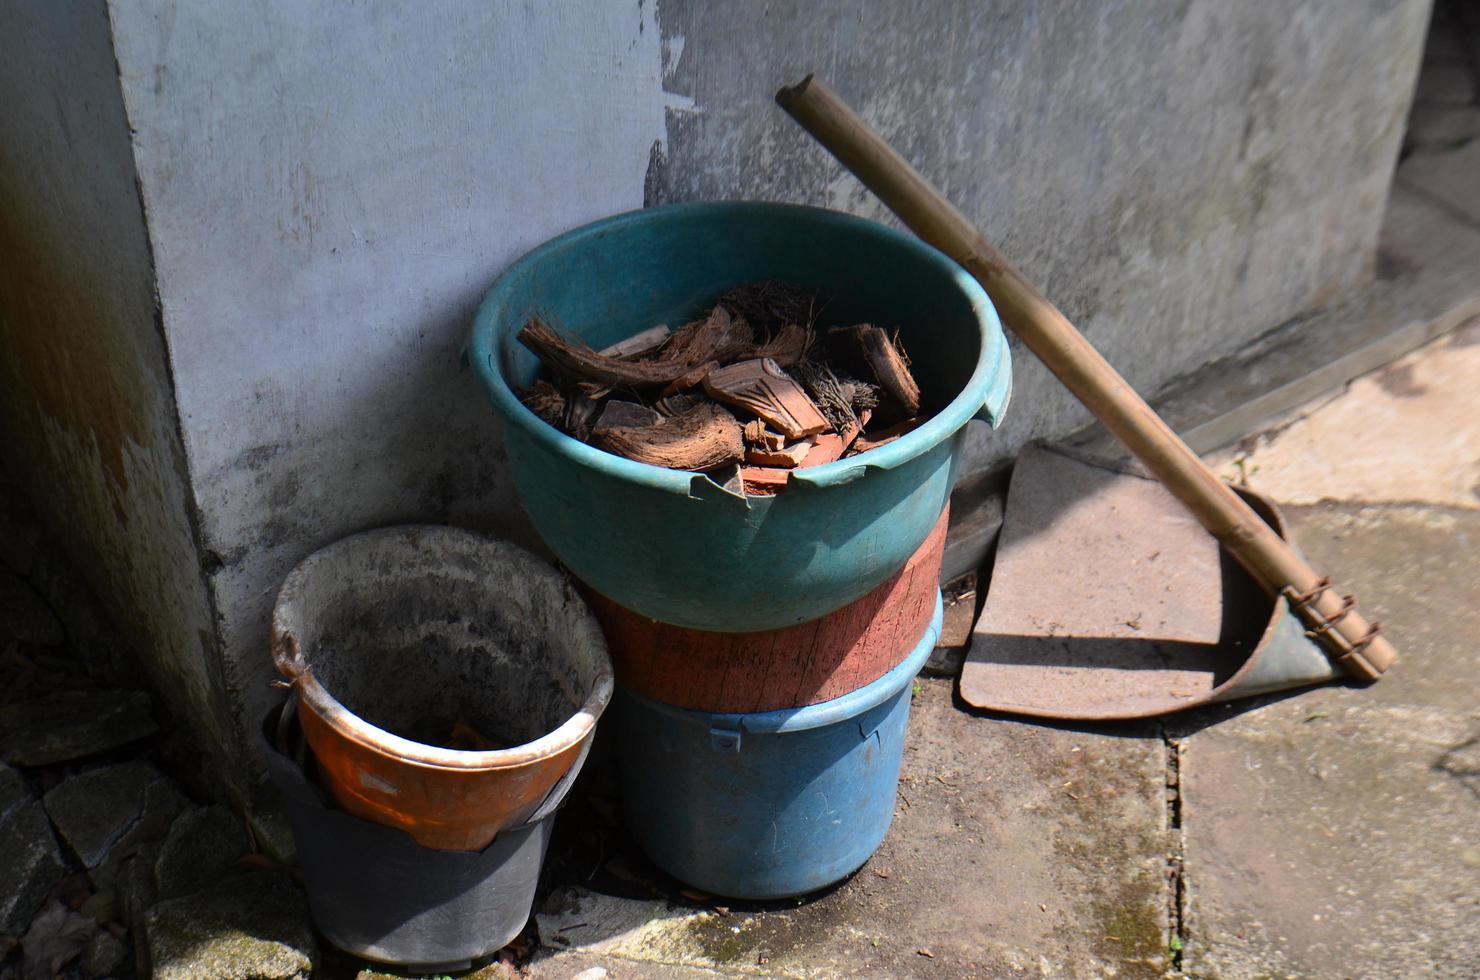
(764, 647)
(764, 765)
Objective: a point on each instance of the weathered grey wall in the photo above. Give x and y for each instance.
(329, 188)
(1179, 177)
(87, 410)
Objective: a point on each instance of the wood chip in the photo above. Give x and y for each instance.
(788, 457)
(886, 363)
(762, 388)
(639, 343)
(704, 438)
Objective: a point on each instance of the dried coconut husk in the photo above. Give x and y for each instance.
(840, 398)
(546, 402)
(771, 304)
(717, 337)
(704, 438)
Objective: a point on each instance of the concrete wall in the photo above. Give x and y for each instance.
(331, 187)
(87, 409)
(1178, 177)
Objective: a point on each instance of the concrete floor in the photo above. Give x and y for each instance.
(1330, 832)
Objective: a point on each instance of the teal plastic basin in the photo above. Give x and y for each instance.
(675, 546)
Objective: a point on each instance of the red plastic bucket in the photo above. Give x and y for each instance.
(786, 668)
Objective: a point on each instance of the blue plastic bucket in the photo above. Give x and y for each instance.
(772, 804)
(674, 546)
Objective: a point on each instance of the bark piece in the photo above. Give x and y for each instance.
(677, 404)
(639, 343)
(788, 457)
(787, 347)
(580, 413)
(689, 378)
(618, 414)
(764, 481)
(704, 438)
(886, 362)
(715, 338)
(545, 400)
(762, 388)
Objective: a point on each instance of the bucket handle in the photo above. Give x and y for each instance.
(287, 656)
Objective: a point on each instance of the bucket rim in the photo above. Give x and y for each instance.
(781, 721)
(315, 697)
(985, 394)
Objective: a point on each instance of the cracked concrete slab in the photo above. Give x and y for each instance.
(1334, 833)
(1017, 850)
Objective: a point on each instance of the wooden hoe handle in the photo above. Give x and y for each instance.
(1344, 633)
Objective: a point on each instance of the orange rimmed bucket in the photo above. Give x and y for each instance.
(792, 667)
(466, 675)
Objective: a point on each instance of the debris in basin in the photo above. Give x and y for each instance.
(666, 398)
(788, 457)
(884, 360)
(764, 481)
(625, 415)
(885, 436)
(833, 445)
(762, 388)
(639, 343)
(703, 438)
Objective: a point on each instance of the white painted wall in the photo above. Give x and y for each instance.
(330, 189)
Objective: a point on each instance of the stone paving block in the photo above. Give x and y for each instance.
(1334, 833)
(72, 725)
(1339, 846)
(202, 845)
(1016, 849)
(253, 927)
(113, 807)
(30, 862)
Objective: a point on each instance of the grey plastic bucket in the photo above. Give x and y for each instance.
(376, 893)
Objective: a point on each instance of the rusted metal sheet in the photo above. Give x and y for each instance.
(423, 629)
(1108, 602)
(773, 669)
